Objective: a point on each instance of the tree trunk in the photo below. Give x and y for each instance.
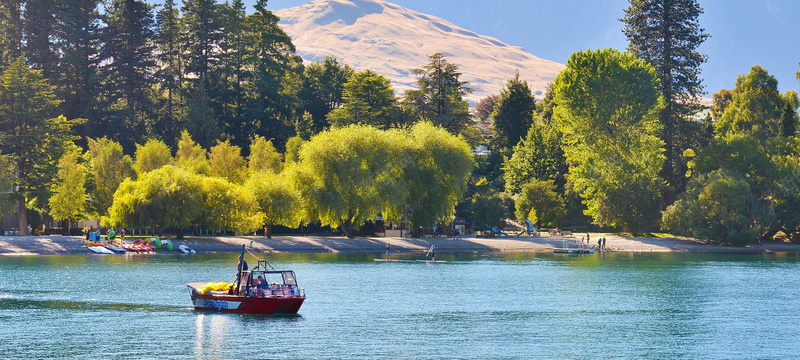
(179, 233)
(268, 232)
(22, 217)
(347, 228)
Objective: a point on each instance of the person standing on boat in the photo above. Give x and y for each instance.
(432, 253)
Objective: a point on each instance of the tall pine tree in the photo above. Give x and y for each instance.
(75, 41)
(10, 31)
(269, 57)
(441, 94)
(128, 61)
(169, 75)
(666, 33)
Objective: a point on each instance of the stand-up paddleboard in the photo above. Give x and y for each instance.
(115, 248)
(386, 260)
(431, 261)
(185, 249)
(99, 250)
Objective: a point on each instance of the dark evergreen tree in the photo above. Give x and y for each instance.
(31, 134)
(228, 91)
(167, 40)
(76, 44)
(322, 89)
(202, 33)
(128, 63)
(39, 24)
(666, 33)
(10, 31)
(269, 57)
(789, 116)
(512, 116)
(441, 94)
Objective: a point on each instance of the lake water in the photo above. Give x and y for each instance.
(472, 307)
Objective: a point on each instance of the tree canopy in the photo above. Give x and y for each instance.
(608, 103)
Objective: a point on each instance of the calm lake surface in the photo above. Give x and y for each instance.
(473, 307)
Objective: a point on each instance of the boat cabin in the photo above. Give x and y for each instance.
(262, 282)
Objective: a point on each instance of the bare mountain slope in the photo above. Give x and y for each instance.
(391, 40)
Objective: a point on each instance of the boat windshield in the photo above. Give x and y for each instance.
(267, 278)
(288, 278)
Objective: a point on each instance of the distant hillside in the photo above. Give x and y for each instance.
(391, 40)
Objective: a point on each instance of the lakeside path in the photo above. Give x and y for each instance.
(63, 245)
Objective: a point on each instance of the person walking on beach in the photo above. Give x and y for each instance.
(604, 242)
(432, 253)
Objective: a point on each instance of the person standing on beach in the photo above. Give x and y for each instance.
(604, 242)
(111, 235)
(388, 251)
(432, 253)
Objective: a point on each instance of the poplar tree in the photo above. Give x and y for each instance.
(69, 193)
(666, 33)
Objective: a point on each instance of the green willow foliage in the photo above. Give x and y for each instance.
(349, 175)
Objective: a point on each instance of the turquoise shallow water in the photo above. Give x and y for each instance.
(472, 307)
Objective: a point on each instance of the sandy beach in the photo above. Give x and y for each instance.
(63, 245)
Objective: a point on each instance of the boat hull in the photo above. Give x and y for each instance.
(246, 304)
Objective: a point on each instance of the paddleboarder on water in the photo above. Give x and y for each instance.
(432, 253)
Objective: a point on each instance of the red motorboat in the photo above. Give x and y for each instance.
(256, 291)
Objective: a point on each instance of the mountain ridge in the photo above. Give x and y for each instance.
(392, 40)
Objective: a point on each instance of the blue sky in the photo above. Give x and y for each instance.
(743, 33)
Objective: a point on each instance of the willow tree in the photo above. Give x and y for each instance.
(229, 206)
(350, 175)
(277, 199)
(608, 106)
(168, 197)
(438, 165)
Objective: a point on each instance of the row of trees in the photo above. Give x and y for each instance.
(619, 137)
(136, 71)
(341, 178)
(615, 139)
